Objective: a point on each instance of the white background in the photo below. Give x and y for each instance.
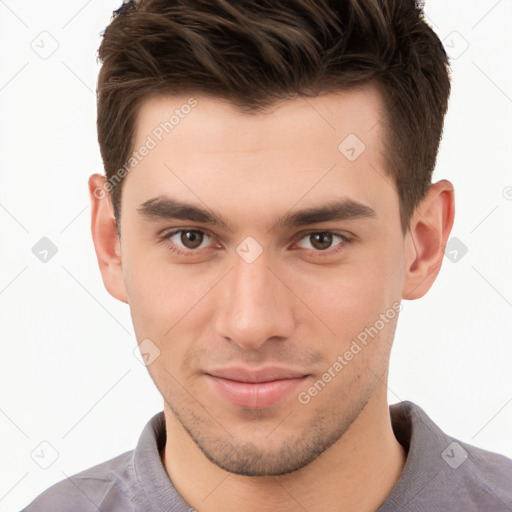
(68, 375)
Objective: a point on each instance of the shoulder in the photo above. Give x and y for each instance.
(483, 473)
(98, 488)
(443, 472)
(471, 478)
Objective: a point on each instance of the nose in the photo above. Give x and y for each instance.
(257, 305)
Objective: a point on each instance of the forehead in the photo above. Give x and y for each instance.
(302, 149)
(223, 127)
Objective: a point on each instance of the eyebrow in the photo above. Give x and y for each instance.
(166, 208)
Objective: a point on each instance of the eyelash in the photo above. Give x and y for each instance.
(192, 252)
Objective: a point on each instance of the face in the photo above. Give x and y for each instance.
(263, 263)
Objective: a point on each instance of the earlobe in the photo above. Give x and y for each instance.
(105, 237)
(430, 228)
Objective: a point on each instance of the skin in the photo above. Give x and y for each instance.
(298, 305)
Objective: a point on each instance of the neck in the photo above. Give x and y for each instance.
(336, 480)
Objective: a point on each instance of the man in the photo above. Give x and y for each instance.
(266, 207)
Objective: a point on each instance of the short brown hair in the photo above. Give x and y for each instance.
(257, 52)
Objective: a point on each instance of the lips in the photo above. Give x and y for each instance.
(255, 389)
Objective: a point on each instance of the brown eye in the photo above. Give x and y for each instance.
(191, 239)
(183, 240)
(319, 241)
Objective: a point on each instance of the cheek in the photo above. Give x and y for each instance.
(162, 311)
(154, 292)
(348, 302)
(349, 295)
(167, 302)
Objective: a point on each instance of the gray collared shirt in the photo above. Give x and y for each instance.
(440, 474)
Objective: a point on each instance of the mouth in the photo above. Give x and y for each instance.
(256, 389)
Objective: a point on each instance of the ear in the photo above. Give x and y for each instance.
(105, 237)
(429, 230)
